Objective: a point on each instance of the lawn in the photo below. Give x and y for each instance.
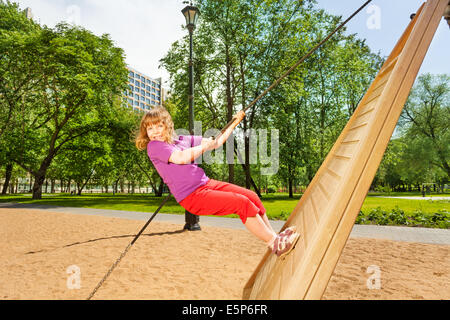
(136, 202)
(279, 206)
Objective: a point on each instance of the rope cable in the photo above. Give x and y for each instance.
(273, 85)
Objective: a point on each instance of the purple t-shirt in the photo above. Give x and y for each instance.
(182, 179)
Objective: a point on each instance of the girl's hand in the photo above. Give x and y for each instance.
(239, 116)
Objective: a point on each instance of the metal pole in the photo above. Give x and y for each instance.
(192, 221)
(191, 84)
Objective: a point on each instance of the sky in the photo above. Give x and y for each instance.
(145, 29)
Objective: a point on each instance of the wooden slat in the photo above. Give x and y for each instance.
(325, 213)
(414, 52)
(388, 67)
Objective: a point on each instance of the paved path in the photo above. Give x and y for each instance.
(416, 198)
(422, 235)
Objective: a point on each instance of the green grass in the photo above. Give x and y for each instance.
(408, 194)
(279, 206)
(409, 206)
(136, 202)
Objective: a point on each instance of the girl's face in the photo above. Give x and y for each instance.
(156, 131)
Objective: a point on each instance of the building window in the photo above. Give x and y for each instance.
(136, 103)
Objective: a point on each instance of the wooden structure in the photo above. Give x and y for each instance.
(326, 213)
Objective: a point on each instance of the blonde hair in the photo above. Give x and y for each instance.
(156, 115)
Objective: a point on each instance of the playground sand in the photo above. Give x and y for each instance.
(43, 254)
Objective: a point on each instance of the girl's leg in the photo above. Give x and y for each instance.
(229, 187)
(258, 228)
(207, 201)
(267, 223)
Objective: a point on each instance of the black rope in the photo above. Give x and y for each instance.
(223, 130)
(128, 248)
(306, 56)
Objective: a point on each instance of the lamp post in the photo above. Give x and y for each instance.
(191, 14)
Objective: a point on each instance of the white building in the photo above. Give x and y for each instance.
(143, 91)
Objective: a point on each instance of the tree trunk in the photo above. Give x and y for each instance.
(160, 189)
(115, 186)
(39, 179)
(8, 175)
(246, 125)
(291, 194)
(229, 106)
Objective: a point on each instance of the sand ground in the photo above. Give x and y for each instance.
(47, 255)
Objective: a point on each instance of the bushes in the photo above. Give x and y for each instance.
(398, 217)
(440, 219)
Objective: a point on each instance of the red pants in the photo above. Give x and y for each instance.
(222, 198)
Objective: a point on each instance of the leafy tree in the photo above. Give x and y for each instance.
(236, 42)
(425, 120)
(18, 70)
(76, 77)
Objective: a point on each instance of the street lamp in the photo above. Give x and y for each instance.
(191, 15)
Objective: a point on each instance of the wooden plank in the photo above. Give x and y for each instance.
(418, 46)
(312, 267)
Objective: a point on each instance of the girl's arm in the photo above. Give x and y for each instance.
(226, 134)
(189, 155)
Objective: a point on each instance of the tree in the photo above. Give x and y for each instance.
(77, 76)
(236, 42)
(426, 118)
(17, 34)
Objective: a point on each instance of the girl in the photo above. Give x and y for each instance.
(173, 157)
